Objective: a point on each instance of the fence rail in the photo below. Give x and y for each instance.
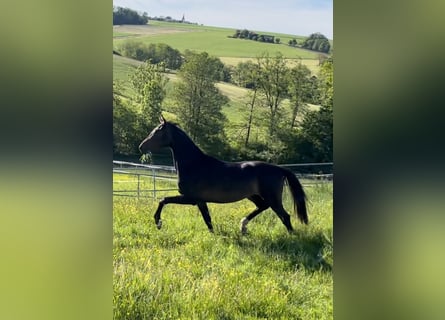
(142, 180)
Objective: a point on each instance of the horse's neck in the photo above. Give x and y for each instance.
(185, 152)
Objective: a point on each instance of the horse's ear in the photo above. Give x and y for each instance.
(161, 119)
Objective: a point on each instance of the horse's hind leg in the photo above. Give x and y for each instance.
(206, 215)
(283, 215)
(261, 206)
(274, 197)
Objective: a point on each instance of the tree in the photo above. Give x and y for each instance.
(149, 83)
(326, 82)
(128, 16)
(317, 129)
(317, 42)
(135, 50)
(199, 103)
(317, 126)
(302, 89)
(125, 122)
(273, 85)
(248, 76)
(164, 53)
(156, 53)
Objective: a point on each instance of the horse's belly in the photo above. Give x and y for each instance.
(228, 193)
(230, 185)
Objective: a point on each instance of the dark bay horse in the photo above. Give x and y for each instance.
(203, 179)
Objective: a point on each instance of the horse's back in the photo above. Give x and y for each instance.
(269, 176)
(223, 182)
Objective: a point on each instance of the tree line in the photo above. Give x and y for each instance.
(315, 41)
(251, 35)
(156, 53)
(128, 16)
(275, 121)
(161, 52)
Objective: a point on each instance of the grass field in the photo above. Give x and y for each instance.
(211, 39)
(184, 272)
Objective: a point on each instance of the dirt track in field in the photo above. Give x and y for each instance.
(136, 30)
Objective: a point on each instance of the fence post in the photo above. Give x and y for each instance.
(154, 183)
(139, 178)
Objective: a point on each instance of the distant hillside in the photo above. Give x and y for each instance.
(216, 41)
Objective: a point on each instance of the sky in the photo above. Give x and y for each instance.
(296, 17)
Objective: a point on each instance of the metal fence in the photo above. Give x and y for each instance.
(312, 172)
(152, 181)
(136, 180)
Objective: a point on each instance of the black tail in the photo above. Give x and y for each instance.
(298, 195)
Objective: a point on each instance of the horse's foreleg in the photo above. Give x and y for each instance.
(157, 215)
(177, 199)
(206, 215)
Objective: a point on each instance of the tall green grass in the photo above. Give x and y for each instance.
(184, 272)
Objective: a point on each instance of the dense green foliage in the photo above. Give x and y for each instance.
(317, 42)
(251, 35)
(184, 272)
(317, 127)
(293, 42)
(156, 53)
(149, 82)
(274, 121)
(198, 103)
(277, 106)
(133, 119)
(128, 16)
(125, 124)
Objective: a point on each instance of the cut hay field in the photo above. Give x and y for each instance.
(184, 272)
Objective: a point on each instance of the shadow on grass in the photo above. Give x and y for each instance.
(300, 250)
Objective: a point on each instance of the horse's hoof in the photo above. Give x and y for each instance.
(159, 224)
(211, 230)
(243, 227)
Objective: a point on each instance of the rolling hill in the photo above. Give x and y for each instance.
(216, 41)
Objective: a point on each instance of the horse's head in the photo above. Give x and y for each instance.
(158, 138)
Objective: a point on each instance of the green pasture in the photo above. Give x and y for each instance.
(184, 272)
(215, 41)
